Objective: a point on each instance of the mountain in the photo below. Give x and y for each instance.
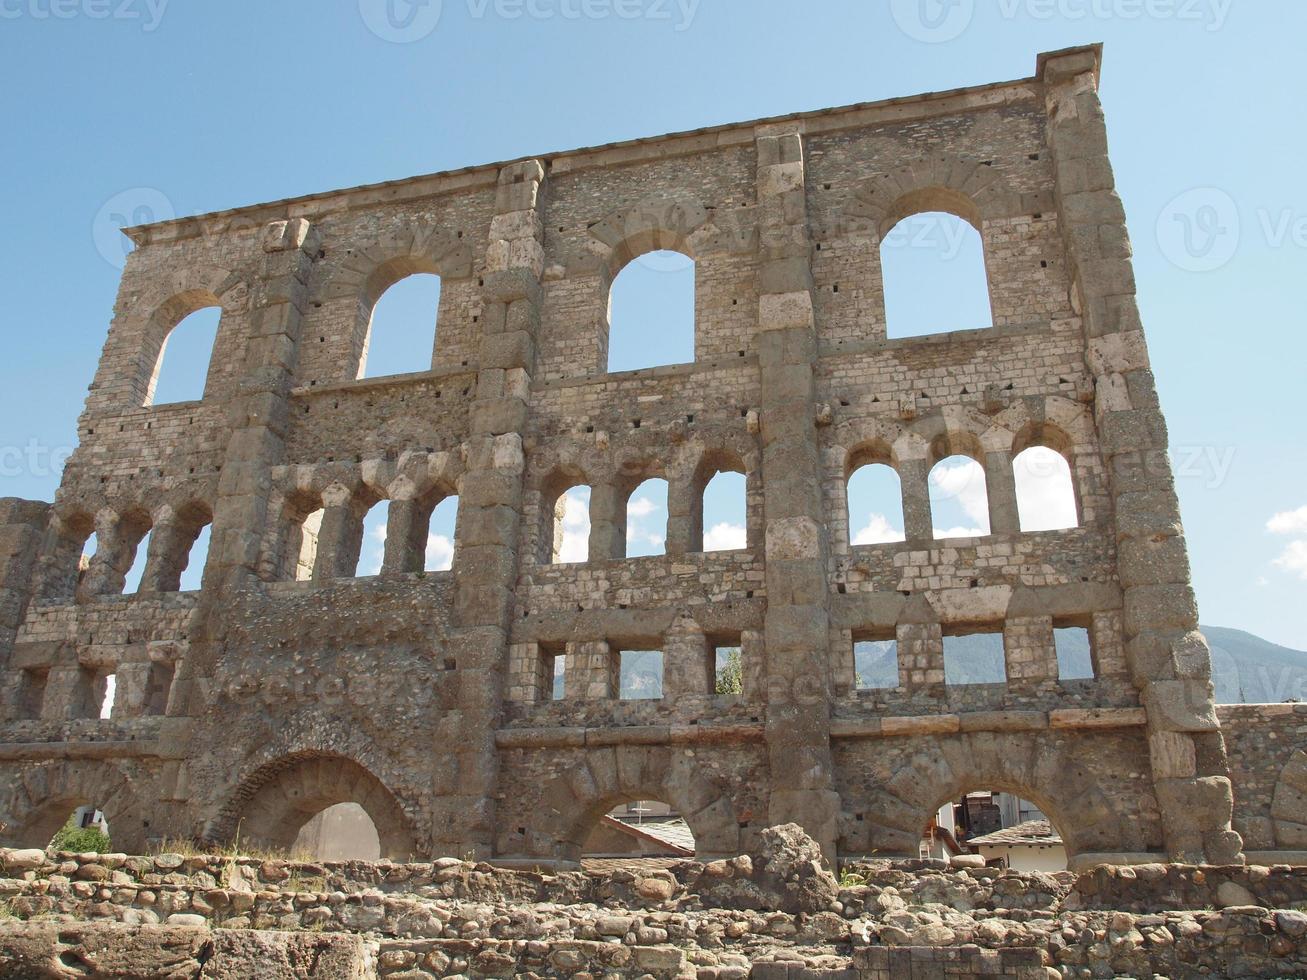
(1249, 670)
(1245, 668)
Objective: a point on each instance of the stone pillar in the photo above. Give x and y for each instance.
(490, 513)
(22, 527)
(169, 553)
(797, 623)
(607, 523)
(921, 654)
(340, 537)
(592, 672)
(71, 693)
(1001, 493)
(1167, 656)
(684, 518)
(278, 297)
(116, 540)
(1029, 649)
(406, 538)
(687, 667)
(914, 482)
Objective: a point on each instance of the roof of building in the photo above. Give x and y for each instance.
(671, 832)
(1032, 832)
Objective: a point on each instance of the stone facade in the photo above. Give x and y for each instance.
(246, 707)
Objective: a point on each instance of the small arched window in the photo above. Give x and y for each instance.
(725, 508)
(401, 332)
(651, 312)
(933, 270)
(1046, 495)
(181, 369)
(959, 500)
(646, 519)
(875, 502)
(567, 527)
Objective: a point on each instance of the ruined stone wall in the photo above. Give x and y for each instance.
(1267, 745)
(285, 684)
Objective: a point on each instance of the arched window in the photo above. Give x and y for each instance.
(372, 548)
(567, 527)
(182, 367)
(193, 573)
(959, 502)
(933, 269)
(438, 550)
(299, 557)
(646, 519)
(110, 682)
(725, 507)
(651, 312)
(875, 502)
(1046, 495)
(341, 832)
(400, 335)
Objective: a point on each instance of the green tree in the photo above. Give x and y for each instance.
(80, 840)
(730, 674)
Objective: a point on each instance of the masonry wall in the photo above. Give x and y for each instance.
(285, 684)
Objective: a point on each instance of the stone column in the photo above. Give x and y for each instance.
(914, 482)
(116, 540)
(797, 623)
(339, 539)
(684, 518)
(591, 673)
(1001, 493)
(490, 505)
(278, 297)
(406, 538)
(607, 523)
(687, 669)
(1029, 648)
(1167, 656)
(22, 527)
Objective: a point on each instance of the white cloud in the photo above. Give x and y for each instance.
(724, 537)
(575, 545)
(1294, 559)
(1045, 494)
(374, 550)
(440, 553)
(1289, 522)
(963, 482)
(878, 531)
(640, 507)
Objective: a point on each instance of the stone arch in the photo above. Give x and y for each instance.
(670, 223)
(547, 488)
(37, 801)
(697, 466)
(1091, 814)
(203, 288)
(59, 569)
(603, 778)
(1289, 804)
(957, 185)
(272, 803)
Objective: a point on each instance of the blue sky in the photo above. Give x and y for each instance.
(209, 106)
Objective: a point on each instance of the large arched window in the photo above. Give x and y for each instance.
(1046, 495)
(651, 312)
(933, 270)
(959, 500)
(400, 335)
(182, 366)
